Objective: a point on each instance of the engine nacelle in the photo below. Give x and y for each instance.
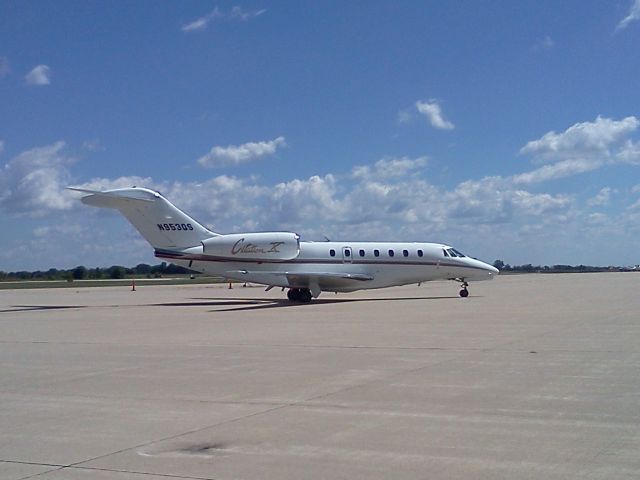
(267, 246)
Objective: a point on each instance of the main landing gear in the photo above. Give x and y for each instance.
(302, 295)
(463, 291)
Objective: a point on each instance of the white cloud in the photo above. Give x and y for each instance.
(632, 16)
(581, 148)
(601, 199)
(496, 200)
(45, 231)
(236, 13)
(629, 153)
(564, 168)
(587, 139)
(5, 68)
(33, 182)
(404, 116)
(39, 76)
(431, 109)
(544, 44)
(93, 145)
(291, 203)
(386, 199)
(239, 154)
(389, 199)
(202, 22)
(634, 206)
(389, 167)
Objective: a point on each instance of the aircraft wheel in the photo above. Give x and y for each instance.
(304, 295)
(464, 293)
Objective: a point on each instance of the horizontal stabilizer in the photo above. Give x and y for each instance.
(115, 198)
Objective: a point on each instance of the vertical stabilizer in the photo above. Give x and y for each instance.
(161, 223)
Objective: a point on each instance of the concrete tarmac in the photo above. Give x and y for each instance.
(532, 376)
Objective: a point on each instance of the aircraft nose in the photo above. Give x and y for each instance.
(489, 270)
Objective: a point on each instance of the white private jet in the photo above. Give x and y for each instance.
(280, 259)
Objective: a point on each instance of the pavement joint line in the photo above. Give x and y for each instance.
(560, 328)
(59, 467)
(167, 475)
(385, 377)
(270, 410)
(309, 404)
(261, 345)
(587, 430)
(55, 466)
(328, 347)
(311, 399)
(85, 376)
(178, 435)
(187, 400)
(417, 369)
(42, 473)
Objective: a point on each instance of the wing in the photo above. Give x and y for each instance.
(314, 281)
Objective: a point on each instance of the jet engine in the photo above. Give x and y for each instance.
(266, 246)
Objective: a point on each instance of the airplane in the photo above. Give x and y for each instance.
(281, 259)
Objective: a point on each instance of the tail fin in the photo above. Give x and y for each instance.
(158, 220)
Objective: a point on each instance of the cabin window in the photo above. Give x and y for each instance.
(361, 253)
(405, 253)
(332, 252)
(445, 253)
(420, 253)
(391, 253)
(347, 252)
(458, 253)
(376, 253)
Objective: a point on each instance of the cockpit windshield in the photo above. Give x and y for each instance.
(453, 253)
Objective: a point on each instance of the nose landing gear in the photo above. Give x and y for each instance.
(463, 291)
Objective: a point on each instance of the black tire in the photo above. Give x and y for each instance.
(304, 295)
(464, 293)
(293, 294)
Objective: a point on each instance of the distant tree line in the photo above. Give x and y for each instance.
(83, 273)
(529, 268)
(155, 271)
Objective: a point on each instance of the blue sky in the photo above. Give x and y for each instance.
(508, 129)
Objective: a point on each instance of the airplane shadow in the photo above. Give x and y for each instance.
(29, 308)
(238, 305)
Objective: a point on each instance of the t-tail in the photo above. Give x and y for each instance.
(161, 223)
